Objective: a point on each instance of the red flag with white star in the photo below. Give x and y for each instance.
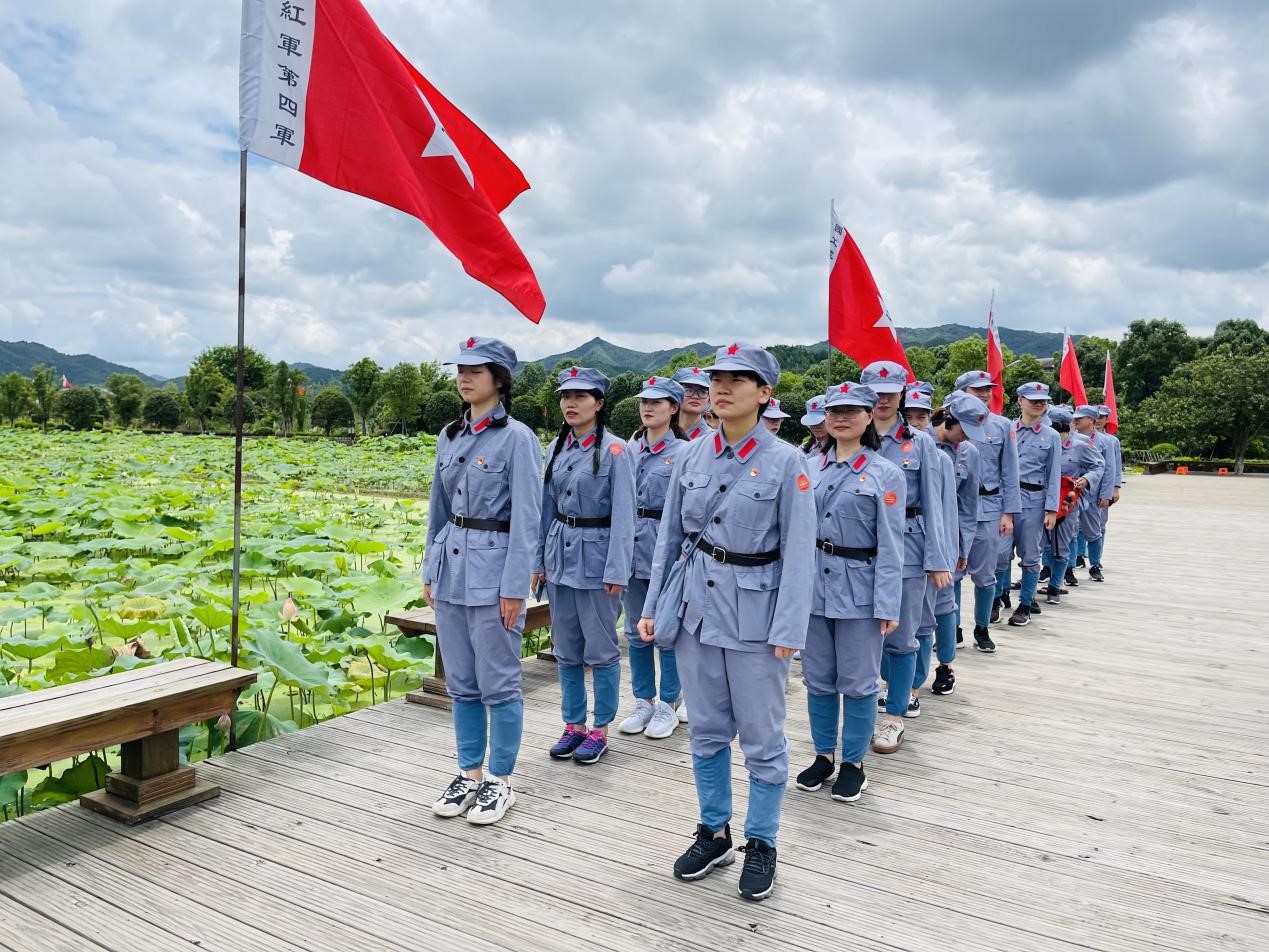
(995, 360)
(1069, 376)
(858, 323)
(322, 90)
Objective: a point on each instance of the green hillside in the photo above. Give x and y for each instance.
(82, 370)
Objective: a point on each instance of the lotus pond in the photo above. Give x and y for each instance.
(115, 549)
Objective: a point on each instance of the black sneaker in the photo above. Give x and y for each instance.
(914, 708)
(850, 783)
(813, 777)
(1021, 617)
(706, 853)
(1069, 578)
(982, 640)
(1034, 608)
(757, 879)
(1095, 573)
(1052, 596)
(995, 610)
(944, 680)
(1014, 586)
(960, 635)
(1005, 600)
(1080, 562)
(1045, 573)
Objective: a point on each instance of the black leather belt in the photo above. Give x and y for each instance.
(749, 559)
(485, 525)
(584, 522)
(984, 491)
(1032, 487)
(912, 511)
(845, 551)
(643, 513)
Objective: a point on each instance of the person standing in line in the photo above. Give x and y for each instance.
(1039, 479)
(1082, 470)
(927, 557)
(999, 503)
(1116, 459)
(585, 552)
(959, 422)
(482, 531)
(814, 421)
(860, 499)
(653, 448)
(773, 416)
(695, 384)
(740, 509)
(1094, 504)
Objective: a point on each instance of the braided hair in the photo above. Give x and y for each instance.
(502, 378)
(601, 418)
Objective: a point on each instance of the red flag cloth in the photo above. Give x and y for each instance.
(324, 91)
(858, 323)
(995, 363)
(66, 384)
(1108, 398)
(1069, 376)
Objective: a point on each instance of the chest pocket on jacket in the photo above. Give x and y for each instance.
(698, 491)
(754, 505)
(485, 476)
(656, 483)
(593, 485)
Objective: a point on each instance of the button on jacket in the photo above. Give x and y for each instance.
(859, 504)
(484, 472)
(1039, 463)
(653, 468)
(751, 497)
(589, 558)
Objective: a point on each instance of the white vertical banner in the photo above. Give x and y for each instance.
(275, 61)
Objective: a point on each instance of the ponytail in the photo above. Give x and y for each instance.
(870, 438)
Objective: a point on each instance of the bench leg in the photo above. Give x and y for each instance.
(150, 782)
(432, 692)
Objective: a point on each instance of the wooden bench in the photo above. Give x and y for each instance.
(142, 709)
(422, 621)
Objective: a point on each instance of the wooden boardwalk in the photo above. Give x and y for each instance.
(1099, 783)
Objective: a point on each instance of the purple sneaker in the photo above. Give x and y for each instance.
(569, 741)
(595, 746)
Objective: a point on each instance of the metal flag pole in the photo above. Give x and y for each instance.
(239, 373)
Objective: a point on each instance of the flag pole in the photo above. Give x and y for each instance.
(239, 373)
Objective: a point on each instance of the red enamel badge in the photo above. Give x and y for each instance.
(891, 498)
(616, 449)
(804, 482)
(907, 447)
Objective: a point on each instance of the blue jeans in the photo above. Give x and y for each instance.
(498, 726)
(922, 671)
(1004, 578)
(713, 791)
(643, 672)
(1030, 580)
(945, 637)
(858, 717)
(1095, 547)
(607, 684)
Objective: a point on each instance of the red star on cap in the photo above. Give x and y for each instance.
(733, 348)
(471, 342)
(572, 371)
(844, 388)
(883, 372)
(652, 381)
(982, 374)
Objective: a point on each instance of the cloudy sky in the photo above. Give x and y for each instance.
(1093, 162)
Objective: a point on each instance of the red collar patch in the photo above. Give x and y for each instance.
(750, 445)
(484, 422)
(586, 443)
(659, 447)
(859, 462)
(718, 443)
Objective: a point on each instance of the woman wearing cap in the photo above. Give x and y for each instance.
(653, 449)
(860, 499)
(481, 535)
(695, 384)
(956, 440)
(1095, 504)
(1084, 466)
(740, 506)
(1114, 459)
(927, 558)
(999, 503)
(813, 420)
(585, 552)
(773, 416)
(917, 413)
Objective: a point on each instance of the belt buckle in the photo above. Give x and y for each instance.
(570, 521)
(460, 521)
(719, 554)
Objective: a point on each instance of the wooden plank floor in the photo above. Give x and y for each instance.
(1099, 783)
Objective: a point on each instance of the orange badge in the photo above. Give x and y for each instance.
(804, 482)
(907, 447)
(616, 449)
(891, 498)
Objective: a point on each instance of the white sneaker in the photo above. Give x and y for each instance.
(638, 719)
(664, 720)
(682, 712)
(493, 800)
(458, 796)
(887, 737)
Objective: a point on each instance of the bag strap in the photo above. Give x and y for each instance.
(696, 543)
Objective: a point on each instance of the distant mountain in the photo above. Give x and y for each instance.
(613, 359)
(82, 370)
(319, 377)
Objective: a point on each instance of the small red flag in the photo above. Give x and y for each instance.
(1108, 398)
(1069, 376)
(859, 325)
(995, 361)
(322, 90)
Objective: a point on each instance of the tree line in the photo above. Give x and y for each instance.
(1184, 394)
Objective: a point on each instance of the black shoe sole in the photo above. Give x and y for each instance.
(725, 860)
(951, 690)
(563, 756)
(862, 788)
(757, 897)
(985, 649)
(1020, 624)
